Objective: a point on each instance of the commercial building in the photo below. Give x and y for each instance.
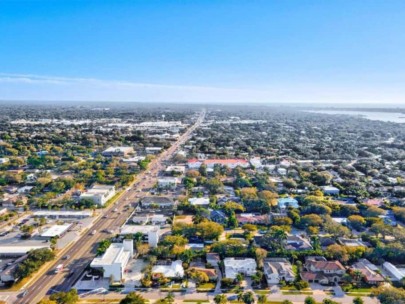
(114, 260)
(17, 251)
(99, 194)
(56, 231)
(168, 182)
(211, 163)
(159, 201)
(63, 214)
(233, 266)
(118, 151)
(151, 231)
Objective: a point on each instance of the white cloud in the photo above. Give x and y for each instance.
(37, 87)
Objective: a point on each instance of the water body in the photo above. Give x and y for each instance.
(381, 116)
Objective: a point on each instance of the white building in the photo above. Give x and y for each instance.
(394, 273)
(277, 269)
(176, 169)
(115, 259)
(118, 151)
(56, 231)
(63, 214)
(4, 160)
(168, 182)
(199, 201)
(99, 194)
(15, 251)
(151, 231)
(152, 150)
(174, 270)
(233, 266)
(256, 162)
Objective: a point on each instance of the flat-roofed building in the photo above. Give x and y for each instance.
(56, 231)
(114, 260)
(118, 151)
(99, 194)
(151, 231)
(63, 214)
(16, 251)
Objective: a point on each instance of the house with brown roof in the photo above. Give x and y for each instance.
(319, 270)
(369, 271)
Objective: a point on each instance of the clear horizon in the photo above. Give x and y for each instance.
(271, 52)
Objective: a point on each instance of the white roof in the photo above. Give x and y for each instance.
(19, 250)
(56, 230)
(394, 271)
(118, 149)
(62, 213)
(199, 201)
(329, 188)
(114, 254)
(132, 229)
(170, 271)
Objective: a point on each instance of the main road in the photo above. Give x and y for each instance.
(83, 251)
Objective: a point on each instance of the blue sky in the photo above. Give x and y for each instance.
(203, 51)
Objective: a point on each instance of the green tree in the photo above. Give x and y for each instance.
(309, 300)
(133, 298)
(248, 297)
(220, 299)
(70, 297)
(358, 300)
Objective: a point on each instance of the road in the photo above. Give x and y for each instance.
(83, 251)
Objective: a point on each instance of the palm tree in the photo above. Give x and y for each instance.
(220, 299)
(170, 298)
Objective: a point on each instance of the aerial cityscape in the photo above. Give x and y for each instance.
(180, 152)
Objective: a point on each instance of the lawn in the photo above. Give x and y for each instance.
(262, 291)
(206, 286)
(297, 292)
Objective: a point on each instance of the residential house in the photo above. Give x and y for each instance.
(213, 259)
(278, 269)
(370, 272)
(285, 202)
(173, 270)
(330, 190)
(251, 218)
(218, 216)
(319, 270)
(296, 242)
(199, 201)
(233, 266)
(394, 273)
